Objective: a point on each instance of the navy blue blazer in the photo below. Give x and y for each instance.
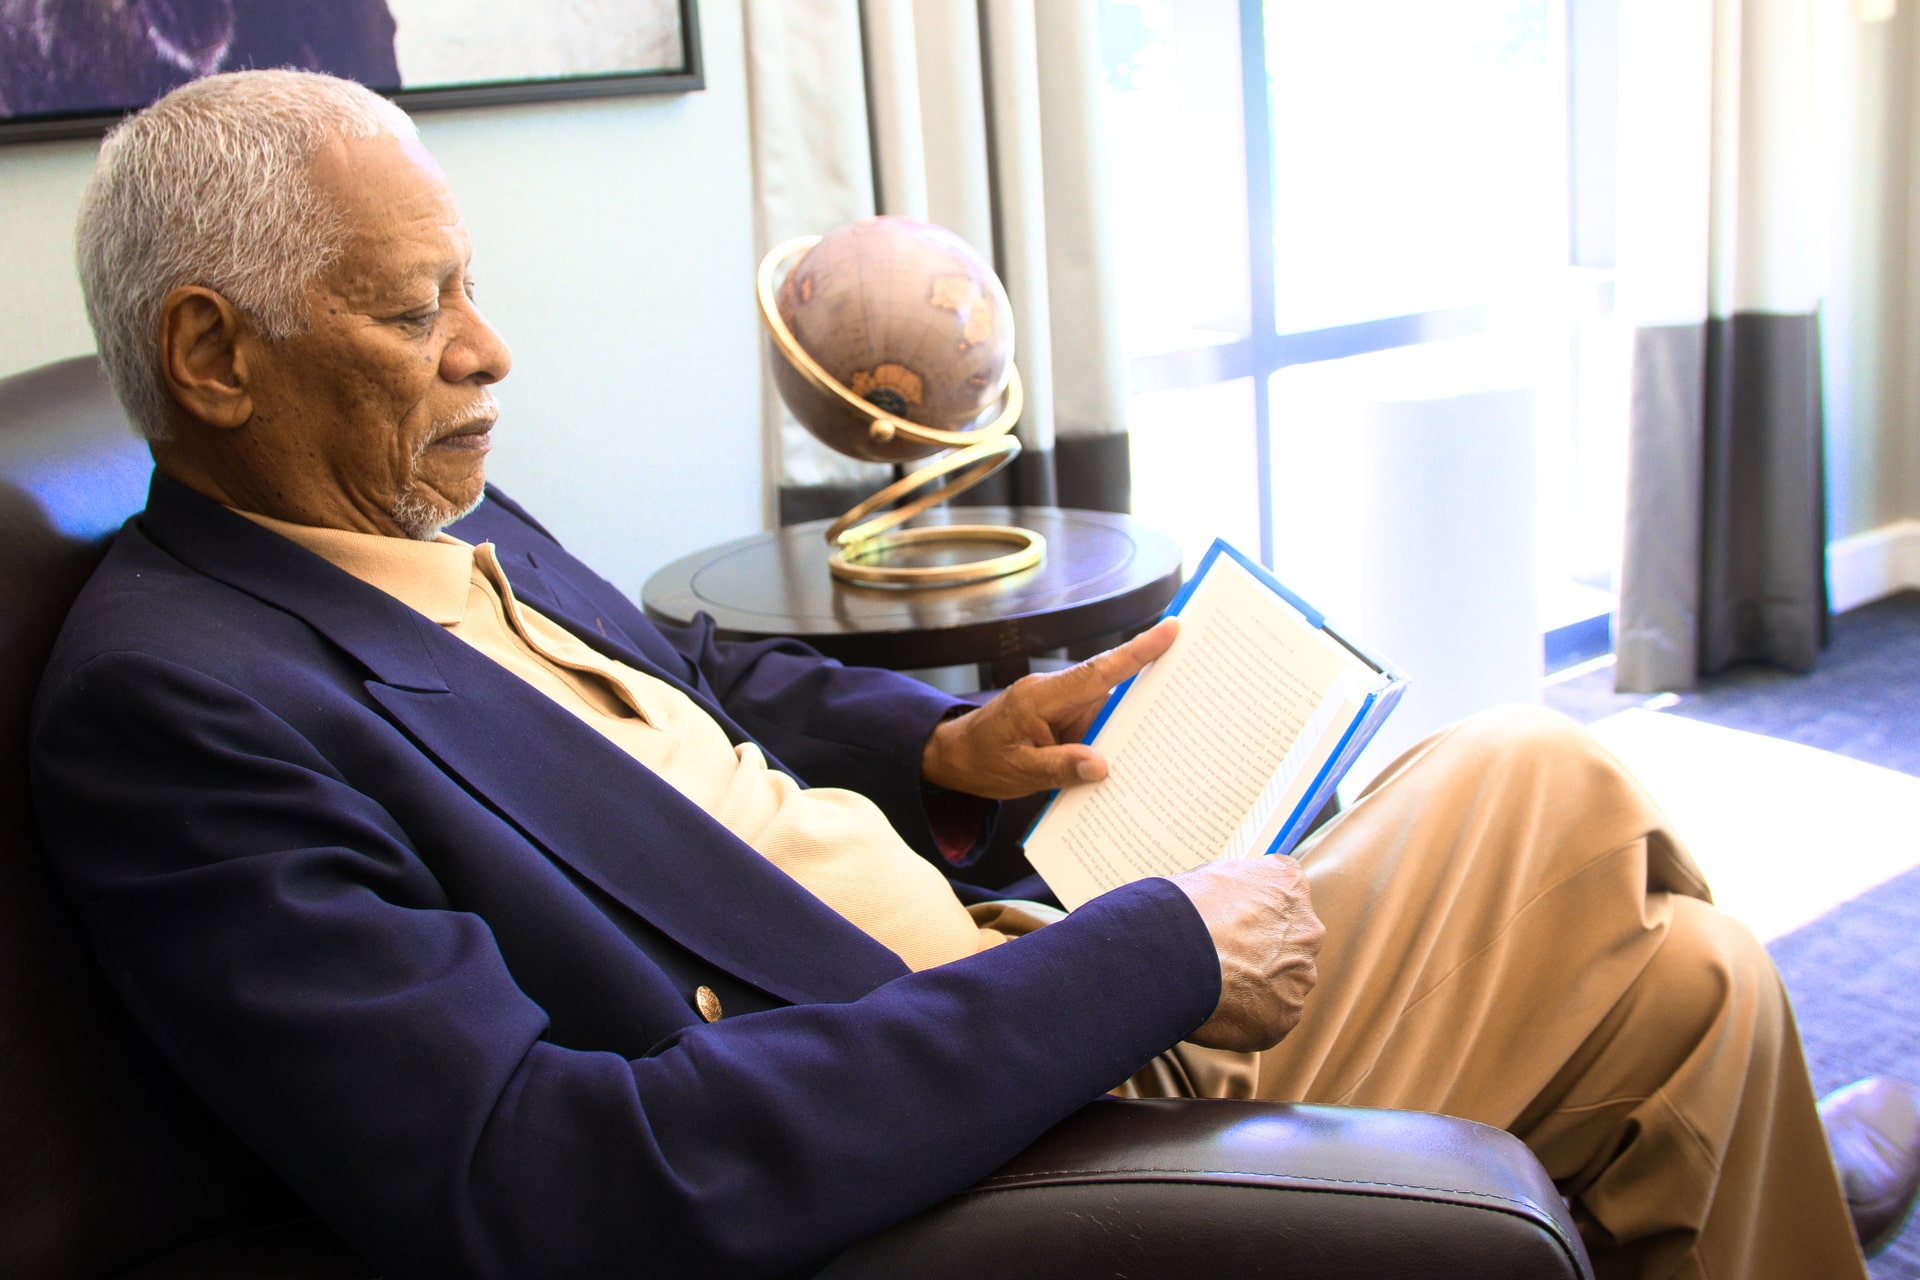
(429, 944)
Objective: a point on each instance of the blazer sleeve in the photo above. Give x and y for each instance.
(280, 937)
(860, 728)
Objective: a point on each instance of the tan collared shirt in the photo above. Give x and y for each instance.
(835, 843)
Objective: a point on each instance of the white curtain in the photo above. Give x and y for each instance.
(812, 170)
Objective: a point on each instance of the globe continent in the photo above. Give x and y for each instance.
(907, 316)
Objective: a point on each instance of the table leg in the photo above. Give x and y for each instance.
(1004, 670)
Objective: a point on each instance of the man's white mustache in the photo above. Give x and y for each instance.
(483, 413)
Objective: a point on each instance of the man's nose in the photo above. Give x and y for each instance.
(478, 354)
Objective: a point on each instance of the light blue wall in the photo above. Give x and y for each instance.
(613, 248)
(41, 315)
(1870, 317)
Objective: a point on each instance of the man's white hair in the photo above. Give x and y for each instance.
(209, 186)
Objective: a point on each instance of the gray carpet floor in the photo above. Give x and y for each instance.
(1853, 974)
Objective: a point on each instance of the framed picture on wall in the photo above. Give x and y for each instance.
(71, 68)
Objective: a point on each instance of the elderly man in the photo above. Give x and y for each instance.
(522, 936)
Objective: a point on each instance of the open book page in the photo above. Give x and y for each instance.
(1211, 748)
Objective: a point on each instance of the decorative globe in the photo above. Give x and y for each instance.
(905, 315)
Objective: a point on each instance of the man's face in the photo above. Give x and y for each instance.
(378, 417)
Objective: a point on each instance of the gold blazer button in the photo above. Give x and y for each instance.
(707, 1003)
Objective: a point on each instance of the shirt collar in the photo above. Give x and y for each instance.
(428, 577)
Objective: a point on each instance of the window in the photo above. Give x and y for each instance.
(1315, 202)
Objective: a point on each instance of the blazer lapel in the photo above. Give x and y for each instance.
(559, 600)
(588, 805)
(582, 800)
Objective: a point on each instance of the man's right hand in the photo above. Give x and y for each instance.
(1261, 917)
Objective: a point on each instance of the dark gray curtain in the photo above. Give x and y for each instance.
(1763, 581)
(1724, 560)
(1725, 557)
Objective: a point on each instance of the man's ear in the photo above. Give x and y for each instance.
(202, 358)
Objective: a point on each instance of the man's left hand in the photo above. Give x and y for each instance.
(1028, 738)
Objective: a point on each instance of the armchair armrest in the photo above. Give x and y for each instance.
(1176, 1188)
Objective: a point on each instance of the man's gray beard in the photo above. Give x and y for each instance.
(422, 520)
(419, 518)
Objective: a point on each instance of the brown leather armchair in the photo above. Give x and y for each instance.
(109, 1167)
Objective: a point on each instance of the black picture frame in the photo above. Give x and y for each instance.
(92, 119)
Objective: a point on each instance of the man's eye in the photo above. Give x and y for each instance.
(422, 321)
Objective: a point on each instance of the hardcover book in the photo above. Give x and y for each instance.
(1226, 746)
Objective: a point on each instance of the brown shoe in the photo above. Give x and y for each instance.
(1873, 1130)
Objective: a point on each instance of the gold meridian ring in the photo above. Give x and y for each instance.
(883, 424)
(858, 540)
(980, 460)
(849, 562)
(859, 537)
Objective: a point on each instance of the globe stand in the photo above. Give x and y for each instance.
(864, 543)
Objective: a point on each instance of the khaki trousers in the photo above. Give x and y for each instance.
(1514, 936)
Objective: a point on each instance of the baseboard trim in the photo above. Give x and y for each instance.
(1864, 567)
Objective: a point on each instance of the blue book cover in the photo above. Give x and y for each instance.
(1227, 746)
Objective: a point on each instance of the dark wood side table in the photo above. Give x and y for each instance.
(1104, 575)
